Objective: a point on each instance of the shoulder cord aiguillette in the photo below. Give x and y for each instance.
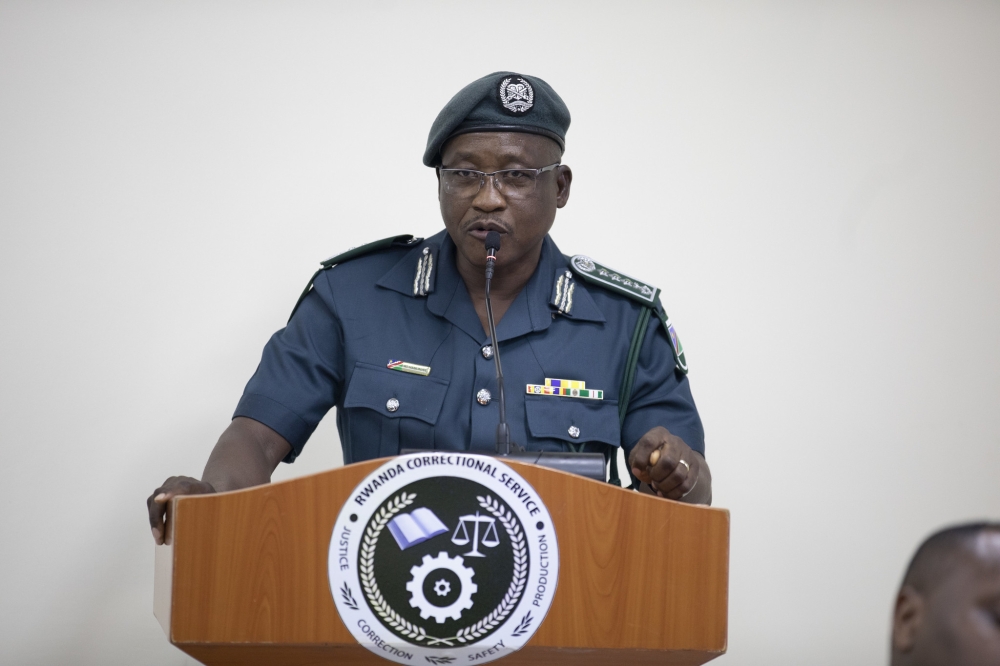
(625, 390)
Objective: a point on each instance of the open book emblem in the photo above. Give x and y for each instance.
(415, 527)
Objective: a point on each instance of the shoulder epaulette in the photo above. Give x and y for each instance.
(593, 272)
(636, 290)
(405, 240)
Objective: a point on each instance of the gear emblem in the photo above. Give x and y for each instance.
(416, 587)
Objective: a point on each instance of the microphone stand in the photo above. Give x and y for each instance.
(503, 431)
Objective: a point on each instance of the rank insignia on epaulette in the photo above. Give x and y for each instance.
(614, 280)
(423, 280)
(562, 293)
(637, 290)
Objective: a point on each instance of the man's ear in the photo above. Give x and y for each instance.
(907, 619)
(564, 178)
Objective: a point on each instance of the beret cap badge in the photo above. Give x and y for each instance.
(516, 95)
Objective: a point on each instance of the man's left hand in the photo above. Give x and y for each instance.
(671, 468)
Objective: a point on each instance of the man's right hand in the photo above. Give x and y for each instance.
(245, 455)
(158, 501)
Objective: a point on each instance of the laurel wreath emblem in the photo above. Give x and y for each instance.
(518, 581)
(348, 597)
(505, 100)
(366, 567)
(522, 626)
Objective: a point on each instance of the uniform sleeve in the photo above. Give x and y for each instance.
(661, 395)
(301, 371)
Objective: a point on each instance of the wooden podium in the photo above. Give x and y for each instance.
(243, 578)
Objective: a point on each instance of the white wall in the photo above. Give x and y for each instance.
(814, 185)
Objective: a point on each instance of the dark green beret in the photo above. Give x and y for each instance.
(500, 102)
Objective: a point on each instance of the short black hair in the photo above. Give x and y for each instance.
(930, 564)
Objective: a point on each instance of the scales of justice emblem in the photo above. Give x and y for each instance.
(443, 558)
(490, 538)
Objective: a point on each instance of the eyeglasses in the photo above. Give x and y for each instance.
(513, 183)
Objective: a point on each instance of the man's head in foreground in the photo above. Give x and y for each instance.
(497, 147)
(948, 608)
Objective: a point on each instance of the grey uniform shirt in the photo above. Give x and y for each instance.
(410, 304)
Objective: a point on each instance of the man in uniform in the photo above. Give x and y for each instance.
(394, 334)
(947, 610)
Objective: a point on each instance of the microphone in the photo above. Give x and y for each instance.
(503, 432)
(492, 247)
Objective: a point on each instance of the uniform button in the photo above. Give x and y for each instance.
(488, 351)
(484, 397)
(574, 432)
(392, 404)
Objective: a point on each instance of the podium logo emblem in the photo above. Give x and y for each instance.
(443, 558)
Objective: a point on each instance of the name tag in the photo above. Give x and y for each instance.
(411, 368)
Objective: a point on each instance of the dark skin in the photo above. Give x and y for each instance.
(955, 619)
(248, 452)
(521, 223)
(656, 461)
(245, 455)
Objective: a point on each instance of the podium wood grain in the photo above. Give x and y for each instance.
(641, 579)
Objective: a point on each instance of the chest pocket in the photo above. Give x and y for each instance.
(551, 417)
(396, 408)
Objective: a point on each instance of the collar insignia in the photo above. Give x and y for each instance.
(423, 280)
(562, 293)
